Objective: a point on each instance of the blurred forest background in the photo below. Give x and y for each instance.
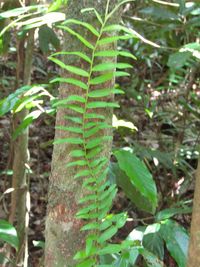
(158, 121)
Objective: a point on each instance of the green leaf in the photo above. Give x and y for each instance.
(9, 234)
(178, 60)
(110, 249)
(77, 163)
(110, 232)
(81, 38)
(94, 116)
(77, 153)
(18, 11)
(75, 53)
(151, 259)
(86, 263)
(138, 174)
(102, 104)
(84, 24)
(90, 226)
(101, 92)
(74, 141)
(95, 142)
(75, 70)
(154, 244)
(70, 129)
(75, 108)
(101, 79)
(109, 66)
(112, 39)
(77, 120)
(113, 53)
(47, 37)
(177, 241)
(95, 11)
(168, 213)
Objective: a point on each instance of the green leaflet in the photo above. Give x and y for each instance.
(101, 79)
(74, 141)
(102, 104)
(113, 39)
(69, 68)
(96, 13)
(75, 53)
(77, 153)
(111, 66)
(70, 81)
(70, 129)
(84, 24)
(81, 38)
(113, 53)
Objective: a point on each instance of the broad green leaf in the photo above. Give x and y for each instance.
(101, 79)
(113, 53)
(154, 244)
(151, 259)
(84, 24)
(109, 66)
(75, 70)
(168, 213)
(177, 241)
(8, 234)
(139, 175)
(83, 173)
(178, 60)
(8, 103)
(18, 11)
(81, 38)
(75, 141)
(47, 37)
(75, 53)
(26, 122)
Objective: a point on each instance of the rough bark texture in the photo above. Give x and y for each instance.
(63, 235)
(194, 247)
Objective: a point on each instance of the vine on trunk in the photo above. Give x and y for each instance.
(88, 124)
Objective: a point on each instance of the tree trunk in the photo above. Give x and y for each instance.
(194, 247)
(20, 160)
(63, 235)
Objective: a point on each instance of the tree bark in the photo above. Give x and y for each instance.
(194, 246)
(63, 235)
(19, 196)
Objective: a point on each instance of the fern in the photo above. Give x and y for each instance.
(88, 124)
